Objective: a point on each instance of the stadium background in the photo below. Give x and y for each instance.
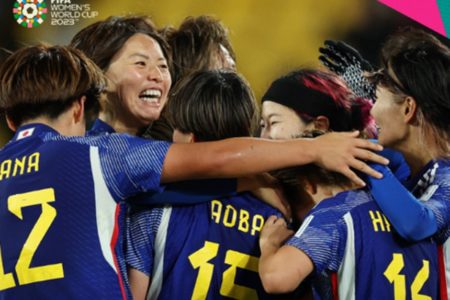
(269, 37)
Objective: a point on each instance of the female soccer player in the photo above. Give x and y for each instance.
(57, 188)
(412, 112)
(206, 106)
(308, 99)
(347, 245)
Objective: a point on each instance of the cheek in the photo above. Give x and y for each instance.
(280, 132)
(378, 111)
(264, 133)
(167, 80)
(125, 81)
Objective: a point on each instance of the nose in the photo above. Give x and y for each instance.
(155, 74)
(265, 134)
(229, 64)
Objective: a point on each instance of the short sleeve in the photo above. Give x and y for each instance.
(321, 237)
(142, 227)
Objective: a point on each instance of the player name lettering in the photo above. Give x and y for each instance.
(236, 218)
(379, 221)
(15, 167)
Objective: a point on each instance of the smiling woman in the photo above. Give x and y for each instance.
(310, 99)
(136, 60)
(140, 81)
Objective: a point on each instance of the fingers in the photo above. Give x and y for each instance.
(274, 220)
(353, 177)
(330, 43)
(352, 133)
(331, 66)
(364, 168)
(344, 51)
(346, 48)
(271, 220)
(367, 155)
(361, 167)
(333, 55)
(369, 145)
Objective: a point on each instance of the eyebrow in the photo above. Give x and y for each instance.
(273, 115)
(145, 56)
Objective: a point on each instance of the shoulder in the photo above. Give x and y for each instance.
(144, 219)
(336, 207)
(443, 172)
(114, 142)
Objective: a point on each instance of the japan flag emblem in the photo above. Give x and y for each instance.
(25, 133)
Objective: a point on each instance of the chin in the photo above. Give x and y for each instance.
(151, 117)
(382, 142)
(386, 143)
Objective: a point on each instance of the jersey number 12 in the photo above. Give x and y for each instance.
(25, 273)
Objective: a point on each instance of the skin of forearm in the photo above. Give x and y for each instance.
(234, 158)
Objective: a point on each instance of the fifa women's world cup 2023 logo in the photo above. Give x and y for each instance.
(30, 13)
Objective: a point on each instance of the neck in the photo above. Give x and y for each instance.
(416, 160)
(119, 125)
(61, 124)
(324, 192)
(417, 153)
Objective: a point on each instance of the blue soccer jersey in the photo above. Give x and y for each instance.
(59, 211)
(186, 192)
(432, 187)
(357, 255)
(203, 251)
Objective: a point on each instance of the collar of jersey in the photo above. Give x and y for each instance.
(39, 128)
(100, 127)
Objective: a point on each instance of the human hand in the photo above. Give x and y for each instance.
(397, 163)
(274, 234)
(347, 62)
(342, 151)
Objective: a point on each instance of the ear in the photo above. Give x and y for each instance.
(409, 109)
(11, 124)
(180, 137)
(322, 123)
(310, 186)
(191, 138)
(78, 110)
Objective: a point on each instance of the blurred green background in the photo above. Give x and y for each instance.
(269, 37)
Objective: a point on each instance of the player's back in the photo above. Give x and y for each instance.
(207, 251)
(50, 223)
(374, 262)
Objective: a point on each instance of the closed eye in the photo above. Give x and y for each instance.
(141, 63)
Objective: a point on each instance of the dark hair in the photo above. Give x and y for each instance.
(293, 179)
(312, 93)
(420, 64)
(102, 40)
(213, 105)
(46, 80)
(195, 44)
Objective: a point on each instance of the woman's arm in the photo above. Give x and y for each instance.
(413, 220)
(139, 284)
(281, 268)
(239, 157)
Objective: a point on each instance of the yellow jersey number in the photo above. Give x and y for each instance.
(392, 273)
(25, 273)
(199, 260)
